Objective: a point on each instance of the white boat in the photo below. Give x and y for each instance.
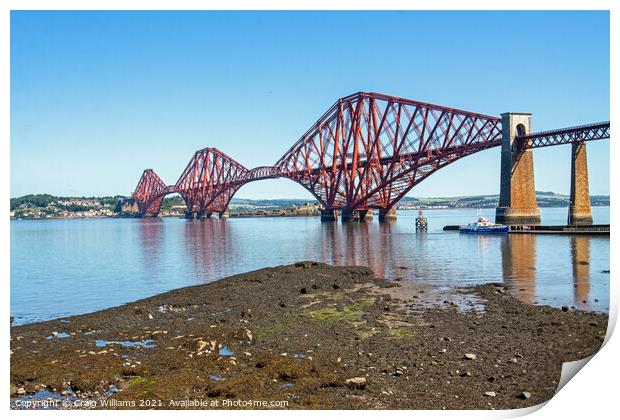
(483, 226)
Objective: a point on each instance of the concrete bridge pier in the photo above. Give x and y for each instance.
(329, 215)
(224, 215)
(365, 215)
(517, 197)
(350, 215)
(191, 215)
(387, 215)
(580, 210)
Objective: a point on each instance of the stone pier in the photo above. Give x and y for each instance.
(201, 215)
(329, 215)
(224, 215)
(517, 198)
(580, 210)
(365, 215)
(387, 215)
(349, 215)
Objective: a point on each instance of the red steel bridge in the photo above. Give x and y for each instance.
(366, 152)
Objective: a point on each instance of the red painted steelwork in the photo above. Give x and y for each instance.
(367, 151)
(210, 180)
(150, 192)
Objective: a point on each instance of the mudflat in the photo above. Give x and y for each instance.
(312, 335)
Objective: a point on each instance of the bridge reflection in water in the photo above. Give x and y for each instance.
(580, 253)
(519, 266)
(548, 269)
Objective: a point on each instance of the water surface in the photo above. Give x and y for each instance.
(73, 266)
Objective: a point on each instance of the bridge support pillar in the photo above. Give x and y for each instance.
(349, 215)
(387, 215)
(365, 215)
(517, 197)
(190, 215)
(206, 215)
(329, 215)
(224, 215)
(580, 210)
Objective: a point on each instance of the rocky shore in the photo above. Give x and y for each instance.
(307, 335)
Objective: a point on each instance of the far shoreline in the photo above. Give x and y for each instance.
(245, 216)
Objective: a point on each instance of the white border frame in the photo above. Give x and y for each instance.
(593, 394)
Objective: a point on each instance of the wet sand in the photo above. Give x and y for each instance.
(313, 335)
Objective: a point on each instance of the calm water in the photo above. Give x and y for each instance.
(67, 267)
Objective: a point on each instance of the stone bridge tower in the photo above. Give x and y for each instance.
(517, 198)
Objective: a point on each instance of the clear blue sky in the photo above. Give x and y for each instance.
(96, 97)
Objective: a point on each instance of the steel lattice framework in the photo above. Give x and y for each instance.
(210, 180)
(150, 192)
(366, 152)
(597, 131)
(369, 150)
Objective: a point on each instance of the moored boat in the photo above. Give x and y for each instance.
(483, 226)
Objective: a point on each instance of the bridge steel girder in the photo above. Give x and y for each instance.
(149, 193)
(596, 131)
(209, 181)
(368, 150)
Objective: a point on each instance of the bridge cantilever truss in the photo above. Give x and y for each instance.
(366, 152)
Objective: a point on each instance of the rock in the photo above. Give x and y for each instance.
(357, 382)
(55, 333)
(249, 335)
(489, 394)
(201, 345)
(470, 356)
(565, 308)
(21, 391)
(398, 373)
(303, 291)
(304, 264)
(525, 395)
(150, 316)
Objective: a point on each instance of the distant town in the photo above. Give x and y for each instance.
(45, 206)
